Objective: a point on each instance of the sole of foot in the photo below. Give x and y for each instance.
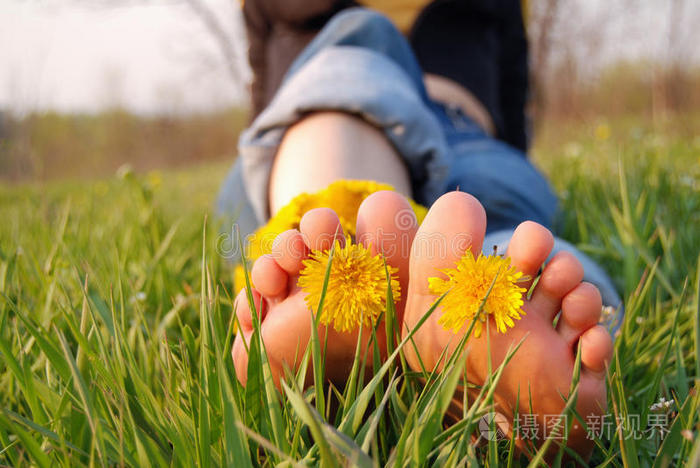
(385, 224)
(539, 376)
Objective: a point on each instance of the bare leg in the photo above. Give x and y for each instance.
(327, 146)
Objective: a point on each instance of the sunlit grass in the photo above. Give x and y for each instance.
(116, 327)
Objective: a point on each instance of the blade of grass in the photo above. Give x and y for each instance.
(318, 357)
(28, 443)
(671, 446)
(353, 418)
(313, 421)
(273, 404)
(378, 413)
(85, 398)
(696, 325)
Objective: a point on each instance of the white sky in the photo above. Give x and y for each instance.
(148, 58)
(154, 56)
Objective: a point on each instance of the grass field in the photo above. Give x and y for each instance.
(116, 325)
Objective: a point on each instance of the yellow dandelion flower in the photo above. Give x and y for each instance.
(343, 196)
(468, 285)
(238, 277)
(602, 132)
(419, 210)
(357, 286)
(155, 179)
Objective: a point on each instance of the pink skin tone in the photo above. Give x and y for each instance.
(542, 366)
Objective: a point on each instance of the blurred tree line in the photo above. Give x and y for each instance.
(52, 145)
(572, 43)
(570, 80)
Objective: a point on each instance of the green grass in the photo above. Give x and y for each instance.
(116, 327)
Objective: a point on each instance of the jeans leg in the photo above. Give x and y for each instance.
(234, 207)
(500, 176)
(509, 187)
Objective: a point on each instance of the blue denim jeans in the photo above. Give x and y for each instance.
(361, 64)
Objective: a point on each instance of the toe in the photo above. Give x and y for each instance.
(268, 277)
(596, 351)
(562, 274)
(580, 310)
(386, 223)
(321, 227)
(456, 222)
(243, 313)
(239, 351)
(529, 248)
(240, 360)
(289, 251)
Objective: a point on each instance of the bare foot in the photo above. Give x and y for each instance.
(541, 370)
(385, 221)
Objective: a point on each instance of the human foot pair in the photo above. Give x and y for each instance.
(540, 373)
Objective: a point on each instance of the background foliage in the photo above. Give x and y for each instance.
(116, 322)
